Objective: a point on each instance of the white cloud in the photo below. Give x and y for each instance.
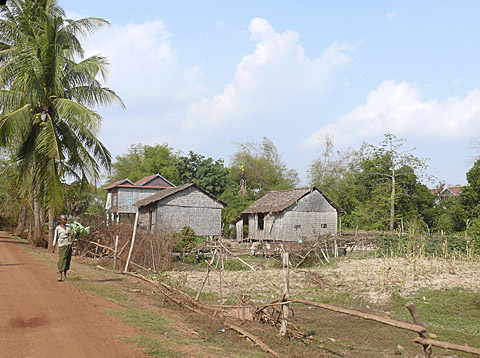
(398, 108)
(144, 67)
(273, 76)
(456, 81)
(391, 14)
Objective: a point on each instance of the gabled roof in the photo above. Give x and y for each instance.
(447, 191)
(141, 184)
(146, 180)
(123, 182)
(170, 191)
(277, 201)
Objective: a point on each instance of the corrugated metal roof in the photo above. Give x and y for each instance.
(170, 191)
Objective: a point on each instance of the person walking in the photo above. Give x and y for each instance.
(64, 239)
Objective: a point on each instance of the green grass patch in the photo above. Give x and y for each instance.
(144, 319)
(154, 347)
(453, 314)
(99, 288)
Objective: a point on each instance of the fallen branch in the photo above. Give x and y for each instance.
(97, 244)
(446, 345)
(254, 339)
(367, 316)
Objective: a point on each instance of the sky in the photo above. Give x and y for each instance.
(207, 75)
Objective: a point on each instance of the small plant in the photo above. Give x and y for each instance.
(186, 240)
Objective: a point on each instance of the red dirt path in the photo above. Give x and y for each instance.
(41, 317)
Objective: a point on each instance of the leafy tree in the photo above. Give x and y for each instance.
(209, 174)
(78, 197)
(396, 163)
(236, 204)
(46, 98)
(144, 160)
(264, 168)
(368, 181)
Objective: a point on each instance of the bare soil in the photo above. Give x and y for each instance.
(42, 317)
(45, 318)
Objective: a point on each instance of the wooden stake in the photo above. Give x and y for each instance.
(206, 276)
(238, 258)
(133, 242)
(427, 349)
(325, 256)
(153, 255)
(286, 292)
(116, 252)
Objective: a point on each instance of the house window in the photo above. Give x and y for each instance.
(130, 200)
(323, 226)
(261, 223)
(114, 200)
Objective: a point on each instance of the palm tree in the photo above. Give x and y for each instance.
(46, 97)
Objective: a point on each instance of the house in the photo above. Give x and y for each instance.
(443, 194)
(184, 205)
(289, 215)
(123, 193)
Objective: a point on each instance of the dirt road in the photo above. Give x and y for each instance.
(41, 317)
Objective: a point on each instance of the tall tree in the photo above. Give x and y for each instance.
(144, 160)
(264, 168)
(47, 97)
(208, 173)
(394, 162)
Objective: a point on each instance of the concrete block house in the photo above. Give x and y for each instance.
(289, 215)
(185, 205)
(122, 194)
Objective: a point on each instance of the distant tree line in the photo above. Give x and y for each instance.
(380, 187)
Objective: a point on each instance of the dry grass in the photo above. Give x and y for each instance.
(373, 279)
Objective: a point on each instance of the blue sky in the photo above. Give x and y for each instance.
(202, 75)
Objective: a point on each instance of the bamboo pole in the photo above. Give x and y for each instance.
(206, 276)
(133, 241)
(238, 258)
(325, 256)
(286, 292)
(116, 252)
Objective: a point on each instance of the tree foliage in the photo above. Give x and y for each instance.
(264, 168)
(144, 160)
(211, 175)
(46, 97)
(377, 186)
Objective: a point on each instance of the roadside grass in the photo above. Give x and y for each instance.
(453, 315)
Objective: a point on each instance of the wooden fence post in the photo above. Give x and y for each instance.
(116, 252)
(286, 292)
(133, 242)
(427, 349)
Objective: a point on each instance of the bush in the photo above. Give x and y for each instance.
(186, 240)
